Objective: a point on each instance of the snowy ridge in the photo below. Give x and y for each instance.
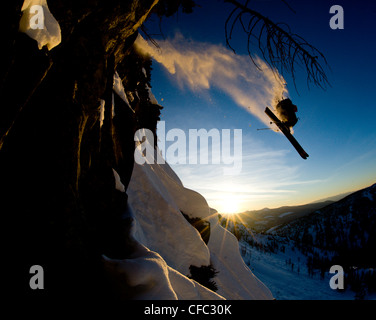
(156, 196)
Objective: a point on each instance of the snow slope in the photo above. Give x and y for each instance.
(287, 283)
(157, 197)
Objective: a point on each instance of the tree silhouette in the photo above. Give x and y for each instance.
(279, 46)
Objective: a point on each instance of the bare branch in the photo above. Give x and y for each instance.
(285, 2)
(279, 47)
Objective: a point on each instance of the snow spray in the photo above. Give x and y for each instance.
(200, 66)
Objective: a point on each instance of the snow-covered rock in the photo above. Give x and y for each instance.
(187, 289)
(152, 98)
(235, 280)
(147, 276)
(157, 198)
(118, 184)
(160, 226)
(119, 89)
(39, 24)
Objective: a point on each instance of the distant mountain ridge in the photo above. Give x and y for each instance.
(335, 198)
(346, 227)
(266, 219)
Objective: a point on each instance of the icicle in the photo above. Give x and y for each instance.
(119, 89)
(101, 111)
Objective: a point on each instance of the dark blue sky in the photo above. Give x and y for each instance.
(336, 127)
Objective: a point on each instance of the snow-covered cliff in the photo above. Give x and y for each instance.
(157, 197)
(80, 199)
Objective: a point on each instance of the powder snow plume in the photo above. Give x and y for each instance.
(201, 66)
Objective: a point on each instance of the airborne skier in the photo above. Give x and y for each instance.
(286, 111)
(287, 119)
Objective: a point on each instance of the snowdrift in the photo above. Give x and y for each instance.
(170, 244)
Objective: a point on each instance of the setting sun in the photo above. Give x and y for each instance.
(229, 205)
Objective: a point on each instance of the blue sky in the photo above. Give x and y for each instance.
(336, 127)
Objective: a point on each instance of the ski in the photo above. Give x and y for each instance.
(287, 133)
